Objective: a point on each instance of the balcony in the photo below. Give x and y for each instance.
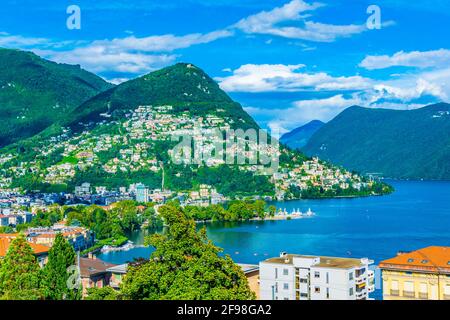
(409, 294)
(361, 295)
(423, 295)
(360, 280)
(395, 292)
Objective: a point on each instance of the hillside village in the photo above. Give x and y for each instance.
(128, 145)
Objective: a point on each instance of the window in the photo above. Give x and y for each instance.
(276, 273)
(410, 260)
(328, 278)
(285, 272)
(302, 280)
(286, 286)
(350, 292)
(423, 288)
(317, 289)
(350, 276)
(424, 261)
(286, 298)
(303, 295)
(316, 274)
(328, 293)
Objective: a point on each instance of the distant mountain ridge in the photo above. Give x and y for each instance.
(35, 93)
(299, 137)
(413, 144)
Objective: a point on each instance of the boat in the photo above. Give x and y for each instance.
(309, 213)
(127, 246)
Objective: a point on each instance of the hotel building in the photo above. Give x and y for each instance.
(300, 277)
(418, 275)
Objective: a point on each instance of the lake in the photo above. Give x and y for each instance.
(416, 215)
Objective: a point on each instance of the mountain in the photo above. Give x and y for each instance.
(413, 144)
(130, 133)
(299, 137)
(35, 93)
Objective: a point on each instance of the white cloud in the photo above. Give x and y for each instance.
(100, 59)
(162, 43)
(419, 59)
(17, 41)
(130, 54)
(421, 88)
(279, 77)
(117, 80)
(271, 22)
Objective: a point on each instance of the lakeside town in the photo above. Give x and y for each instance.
(421, 274)
(131, 147)
(417, 275)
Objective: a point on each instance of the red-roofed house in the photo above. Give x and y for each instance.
(423, 274)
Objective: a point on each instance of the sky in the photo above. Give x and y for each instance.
(286, 61)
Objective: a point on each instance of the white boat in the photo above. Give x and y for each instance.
(309, 213)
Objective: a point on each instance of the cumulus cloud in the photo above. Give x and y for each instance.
(131, 54)
(17, 41)
(421, 88)
(100, 59)
(137, 55)
(279, 77)
(272, 23)
(399, 94)
(419, 59)
(162, 43)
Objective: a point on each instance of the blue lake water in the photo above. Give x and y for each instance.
(416, 215)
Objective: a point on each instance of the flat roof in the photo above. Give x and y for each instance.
(325, 262)
(247, 268)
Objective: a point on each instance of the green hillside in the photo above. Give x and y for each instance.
(35, 93)
(411, 144)
(125, 135)
(184, 86)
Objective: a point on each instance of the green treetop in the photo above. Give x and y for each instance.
(185, 265)
(61, 256)
(20, 273)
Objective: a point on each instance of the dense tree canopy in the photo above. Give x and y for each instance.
(20, 274)
(184, 265)
(61, 256)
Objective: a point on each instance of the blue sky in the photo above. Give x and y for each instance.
(286, 61)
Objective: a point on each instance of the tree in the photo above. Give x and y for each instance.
(55, 275)
(185, 265)
(259, 206)
(20, 273)
(272, 210)
(105, 293)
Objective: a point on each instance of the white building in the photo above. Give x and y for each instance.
(298, 277)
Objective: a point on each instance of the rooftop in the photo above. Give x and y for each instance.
(248, 268)
(325, 262)
(5, 242)
(121, 268)
(93, 266)
(429, 259)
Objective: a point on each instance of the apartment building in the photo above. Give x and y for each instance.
(423, 274)
(301, 277)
